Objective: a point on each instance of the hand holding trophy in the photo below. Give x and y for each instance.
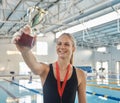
(26, 35)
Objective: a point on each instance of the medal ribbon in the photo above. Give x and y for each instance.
(61, 88)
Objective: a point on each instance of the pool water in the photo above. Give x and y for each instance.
(24, 91)
(20, 92)
(103, 90)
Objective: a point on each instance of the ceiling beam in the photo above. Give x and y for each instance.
(50, 5)
(11, 13)
(100, 7)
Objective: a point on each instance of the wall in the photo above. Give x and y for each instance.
(112, 56)
(83, 57)
(11, 62)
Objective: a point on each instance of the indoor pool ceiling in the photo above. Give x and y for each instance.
(62, 14)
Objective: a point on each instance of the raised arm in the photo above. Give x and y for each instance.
(36, 67)
(28, 56)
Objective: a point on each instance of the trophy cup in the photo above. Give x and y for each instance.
(27, 38)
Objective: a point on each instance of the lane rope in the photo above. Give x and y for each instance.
(105, 96)
(107, 87)
(32, 90)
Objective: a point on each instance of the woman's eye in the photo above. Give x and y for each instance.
(58, 43)
(66, 44)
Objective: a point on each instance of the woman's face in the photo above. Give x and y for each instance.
(64, 47)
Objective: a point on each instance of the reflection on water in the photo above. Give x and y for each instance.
(31, 99)
(21, 91)
(11, 100)
(35, 84)
(26, 99)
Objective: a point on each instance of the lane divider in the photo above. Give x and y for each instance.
(104, 81)
(107, 87)
(105, 96)
(117, 80)
(92, 93)
(32, 90)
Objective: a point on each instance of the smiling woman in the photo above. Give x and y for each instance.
(67, 43)
(60, 78)
(58, 40)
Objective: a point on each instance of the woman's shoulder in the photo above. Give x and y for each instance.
(81, 75)
(80, 71)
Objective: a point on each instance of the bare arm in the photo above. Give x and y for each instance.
(34, 65)
(29, 58)
(81, 86)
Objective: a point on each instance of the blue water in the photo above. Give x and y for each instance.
(100, 88)
(20, 92)
(23, 91)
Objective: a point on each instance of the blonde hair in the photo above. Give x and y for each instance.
(73, 41)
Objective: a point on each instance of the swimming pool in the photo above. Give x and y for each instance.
(103, 90)
(21, 91)
(24, 91)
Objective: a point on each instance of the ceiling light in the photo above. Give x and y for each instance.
(101, 49)
(92, 23)
(118, 47)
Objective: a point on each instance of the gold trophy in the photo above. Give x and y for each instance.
(36, 15)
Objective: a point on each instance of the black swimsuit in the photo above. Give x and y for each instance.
(50, 91)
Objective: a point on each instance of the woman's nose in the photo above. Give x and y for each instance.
(62, 46)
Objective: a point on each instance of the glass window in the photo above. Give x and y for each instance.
(102, 72)
(102, 65)
(118, 72)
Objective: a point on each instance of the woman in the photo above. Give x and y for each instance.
(60, 79)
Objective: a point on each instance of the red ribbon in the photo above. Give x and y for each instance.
(61, 88)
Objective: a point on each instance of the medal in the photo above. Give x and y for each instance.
(61, 88)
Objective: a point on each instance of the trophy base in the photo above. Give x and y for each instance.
(26, 40)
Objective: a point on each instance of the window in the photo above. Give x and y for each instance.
(102, 65)
(102, 72)
(42, 48)
(118, 47)
(98, 65)
(118, 72)
(118, 67)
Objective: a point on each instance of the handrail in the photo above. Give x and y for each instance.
(102, 95)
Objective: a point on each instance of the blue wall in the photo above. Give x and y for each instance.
(88, 69)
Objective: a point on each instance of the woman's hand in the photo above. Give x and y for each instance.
(18, 35)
